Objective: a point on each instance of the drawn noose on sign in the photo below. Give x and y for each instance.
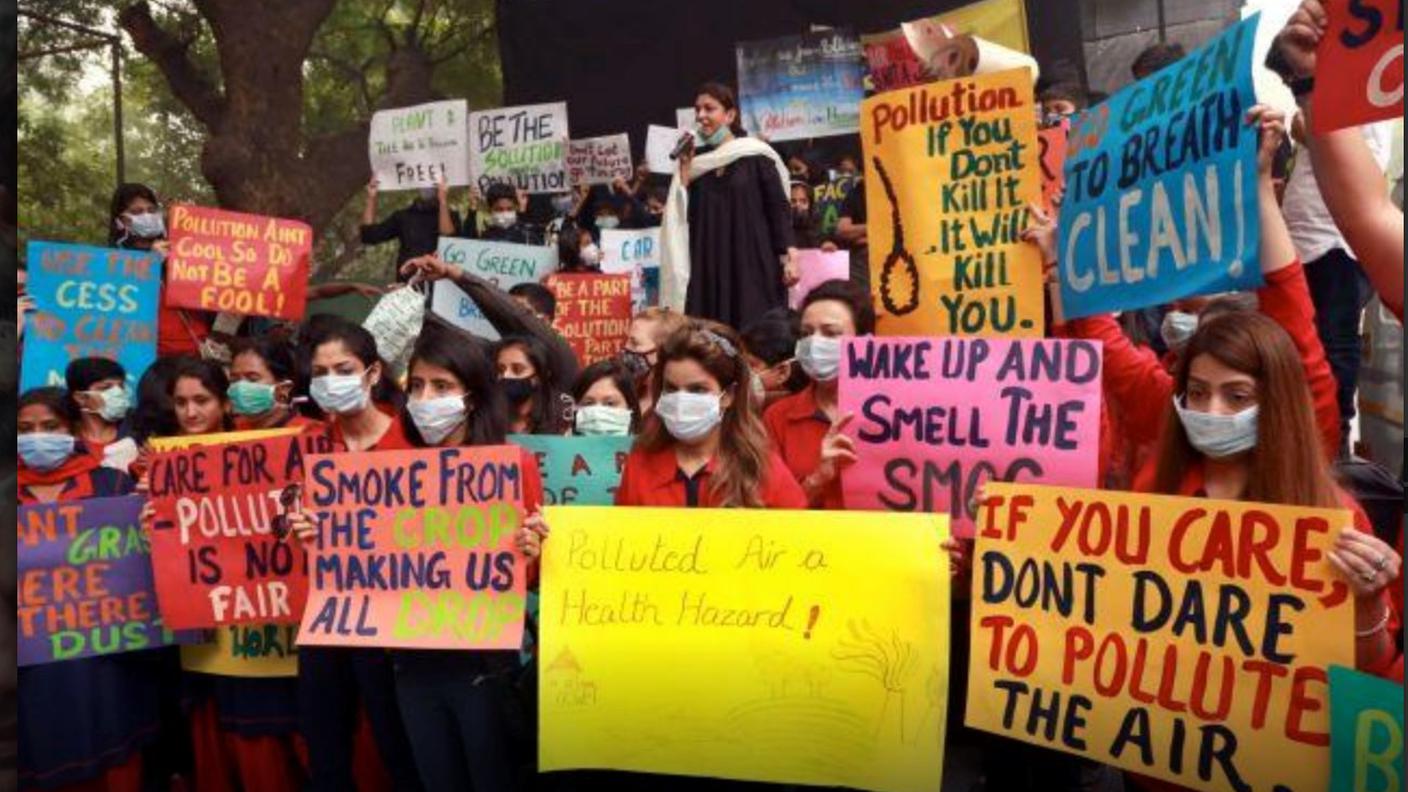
(898, 254)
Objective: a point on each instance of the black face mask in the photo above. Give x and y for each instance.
(635, 362)
(517, 390)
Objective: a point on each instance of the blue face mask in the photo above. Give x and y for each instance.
(148, 225)
(1218, 436)
(717, 138)
(44, 450)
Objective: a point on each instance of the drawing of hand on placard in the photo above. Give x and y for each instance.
(888, 661)
(898, 256)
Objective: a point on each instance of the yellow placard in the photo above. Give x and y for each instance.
(950, 168)
(1185, 639)
(781, 646)
(181, 442)
(246, 650)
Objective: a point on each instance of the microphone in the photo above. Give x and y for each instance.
(685, 144)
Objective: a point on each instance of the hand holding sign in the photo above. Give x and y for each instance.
(1367, 564)
(1271, 124)
(1302, 35)
(530, 535)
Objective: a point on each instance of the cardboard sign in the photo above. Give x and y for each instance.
(415, 549)
(503, 264)
(799, 87)
(599, 160)
(85, 582)
(937, 418)
(1366, 732)
(829, 200)
(1051, 146)
(705, 634)
(246, 650)
(816, 267)
(89, 302)
(950, 168)
(1161, 186)
(578, 471)
(593, 313)
(635, 252)
(216, 557)
(891, 63)
(238, 263)
(417, 146)
(1360, 64)
(659, 142)
(1181, 638)
(524, 146)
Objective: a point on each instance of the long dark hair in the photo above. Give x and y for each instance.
(487, 421)
(56, 400)
(620, 376)
(153, 415)
(724, 95)
(551, 408)
(209, 374)
(360, 344)
(122, 197)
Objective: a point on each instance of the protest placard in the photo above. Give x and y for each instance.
(179, 442)
(246, 650)
(635, 252)
(599, 160)
(1366, 732)
(85, 582)
(237, 263)
(503, 264)
(891, 63)
(216, 556)
(1186, 639)
(680, 640)
(89, 302)
(684, 118)
(525, 146)
(950, 168)
(798, 87)
(815, 267)
(578, 471)
(829, 200)
(593, 313)
(1161, 186)
(936, 418)
(1051, 144)
(415, 549)
(659, 142)
(418, 146)
(1359, 64)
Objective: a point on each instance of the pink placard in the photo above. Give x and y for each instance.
(415, 549)
(816, 267)
(937, 417)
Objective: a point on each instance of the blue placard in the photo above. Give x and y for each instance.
(90, 302)
(578, 471)
(1161, 186)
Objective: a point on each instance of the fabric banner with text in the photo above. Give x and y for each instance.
(799, 87)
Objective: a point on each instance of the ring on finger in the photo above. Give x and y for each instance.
(1368, 577)
(1381, 563)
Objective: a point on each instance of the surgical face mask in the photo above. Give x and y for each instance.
(602, 419)
(44, 450)
(517, 390)
(689, 416)
(591, 254)
(562, 204)
(340, 394)
(820, 357)
(1177, 328)
(1218, 436)
(503, 219)
(435, 419)
(148, 225)
(716, 138)
(251, 398)
(113, 404)
(759, 388)
(608, 221)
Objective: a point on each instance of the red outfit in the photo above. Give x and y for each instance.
(797, 426)
(394, 440)
(245, 424)
(180, 331)
(654, 478)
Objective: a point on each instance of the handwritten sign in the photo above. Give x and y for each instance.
(415, 549)
(578, 471)
(829, 200)
(816, 267)
(936, 418)
(524, 146)
(799, 87)
(90, 302)
(503, 264)
(950, 168)
(635, 252)
(593, 313)
(85, 582)
(238, 263)
(1360, 64)
(1161, 186)
(703, 634)
(216, 558)
(417, 146)
(599, 160)
(1051, 145)
(1181, 638)
(1366, 732)
(891, 63)
(246, 650)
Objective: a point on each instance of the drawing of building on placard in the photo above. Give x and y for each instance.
(566, 684)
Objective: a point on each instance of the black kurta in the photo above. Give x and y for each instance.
(739, 224)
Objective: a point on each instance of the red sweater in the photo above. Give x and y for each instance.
(654, 478)
(797, 426)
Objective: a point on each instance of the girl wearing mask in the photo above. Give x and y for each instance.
(577, 251)
(135, 222)
(98, 387)
(770, 346)
(83, 724)
(605, 395)
(535, 406)
(262, 374)
(648, 330)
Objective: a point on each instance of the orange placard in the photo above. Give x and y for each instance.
(593, 313)
(1359, 65)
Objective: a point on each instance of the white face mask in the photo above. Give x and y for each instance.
(820, 357)
(594, 420)
(760, 388)
(591, 254)
(503, 219)
(340, 394)
(1177, 328)
(113, 403)
(1218, 436)
(435, 419)
(689, 416)
(608, 221)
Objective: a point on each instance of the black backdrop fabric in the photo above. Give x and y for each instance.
(624, 64)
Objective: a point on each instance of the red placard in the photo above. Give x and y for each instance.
(237, 263)
(593, 313)
(1359, 65)
(1051, 142)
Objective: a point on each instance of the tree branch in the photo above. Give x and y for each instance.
(188, 83)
